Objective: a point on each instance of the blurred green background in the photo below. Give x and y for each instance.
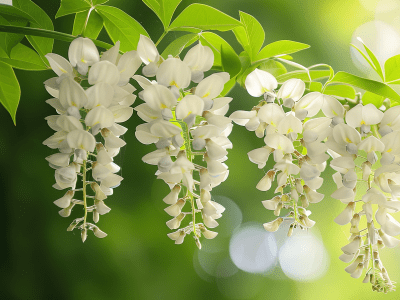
(41, 260)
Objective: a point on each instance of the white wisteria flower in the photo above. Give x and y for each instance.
(85, 117)
(185, 123)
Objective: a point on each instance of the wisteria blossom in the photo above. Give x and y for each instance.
(188, 127)
(87, 126)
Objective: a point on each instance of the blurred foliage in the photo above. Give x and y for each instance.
(137, 260)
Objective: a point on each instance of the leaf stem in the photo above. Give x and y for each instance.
(161, 37)
(84, 193)
(48, 34)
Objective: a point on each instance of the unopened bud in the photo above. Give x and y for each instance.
(84, 235)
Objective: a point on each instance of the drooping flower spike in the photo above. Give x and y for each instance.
(296, 144)
(365, 150)
(87, 126)
(190, 132)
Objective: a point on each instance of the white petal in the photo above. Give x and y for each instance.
(104, 71)
(59, 64)
(128, 64)
(190, 104)
(146, 50)
(121, 113)
(159, 97)
(210, 87)
(259, 82)
(81, 139)
(99, 94)
(100, 115)
(312, 103)
(199, 58)
(292, 88)
(72, 93)
(83, 53)
(174, 72)
(111, 54)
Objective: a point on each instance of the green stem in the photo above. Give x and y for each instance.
(48, 34)
(84, 193)
(161, 37)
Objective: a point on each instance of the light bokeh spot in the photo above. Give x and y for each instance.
(252, 249)
(303, 257)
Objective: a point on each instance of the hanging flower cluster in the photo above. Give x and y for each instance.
(92, 95)
(295, 140)
(187, 125)
(366, 149)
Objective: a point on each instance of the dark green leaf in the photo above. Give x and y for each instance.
(280, 47)
(228, 87)
(39, 19)
(251, 35)
(10, 92)
(230, 60)
(214, 41)
(68, 7)
(197, 17)
(375, 99)
(24, 58)
(371, 59)
(177, 46)
(93, 26)
(13, 12)
(121, 27)
(375, 87)
(392, 69)
(315, 74)
(340, 90)
(164, 9)
(9, 40)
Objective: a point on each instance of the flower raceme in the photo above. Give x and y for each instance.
(188, 127)
(297, 145)
(92, 97)
(365, 149)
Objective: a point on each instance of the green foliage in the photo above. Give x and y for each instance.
(274, 67)
(39, 19)
(8, 11)
(340, 90)
(9, 90)
(121, 27)
(302, 74)
(372, 86)
(177, 46)
(164, 9)
(375, 99)
(197, 17)
(392, 69)
(24, 58)
(9, 40)
(251, 35)
(315, 86)
(230, 60)
(68, 7)
(279, 48)
(371, 59)
(215, 42)
(92, 28)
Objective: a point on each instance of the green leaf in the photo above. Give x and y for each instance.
(340, 90)
(197, 17)
(392, 69)
(96, 2)
(315, 74)
(331, 72)
(10, 92)
(177, 46)
(280, 47)
(121, 27)
(164, 9)
(375, 99)
(24, 58)
(13, 12)
(371, 59)
(9, 40)
(228, 87)
(367, 85)
(39, 19)
(251, 35)
(68, 7)
(93, 26)
(214, 41)
(315, 86)
(230, 60)
(274, 67)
